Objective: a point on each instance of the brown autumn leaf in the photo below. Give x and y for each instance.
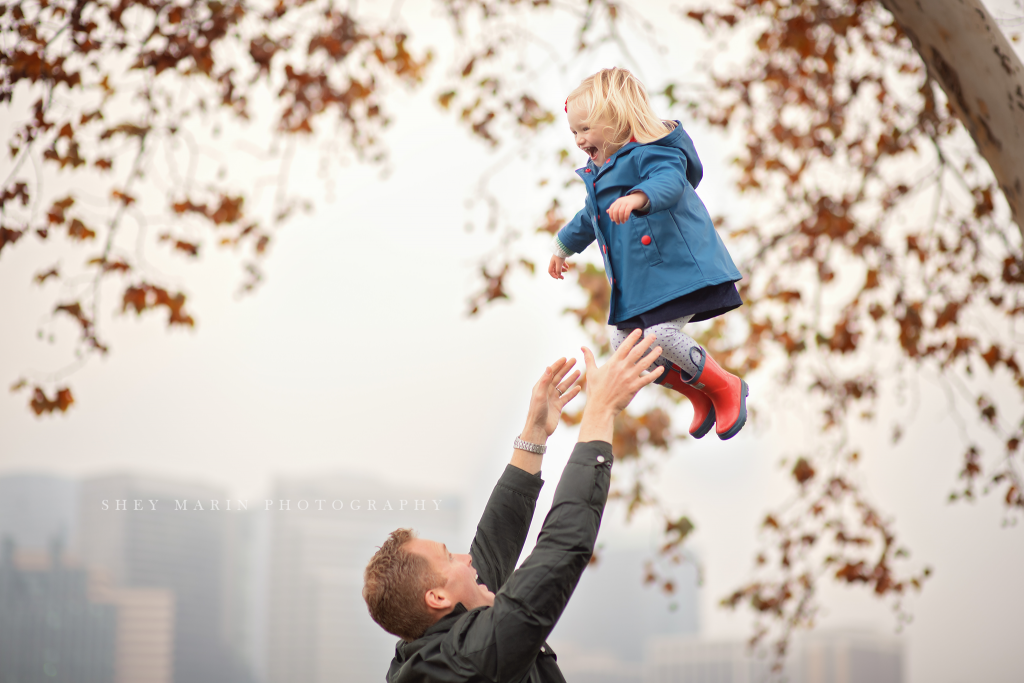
(41, 403)
(43, 276)
(78, 231)
(145, 296)
(803, 472)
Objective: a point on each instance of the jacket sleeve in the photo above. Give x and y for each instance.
(577, 233)
(501, 643)
(503, 527)
(663, 176)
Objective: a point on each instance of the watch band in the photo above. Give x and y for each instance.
(530, 447)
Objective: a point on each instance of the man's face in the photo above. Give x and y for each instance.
(461, 585)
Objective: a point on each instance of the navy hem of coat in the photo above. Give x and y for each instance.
(703, 304)
(626, 315)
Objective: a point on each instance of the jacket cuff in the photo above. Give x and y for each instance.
(597, 453)
(521, 481)
(560, 249)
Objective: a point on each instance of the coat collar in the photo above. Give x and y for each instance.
(593, 170)
(445, 622)
(672, 139)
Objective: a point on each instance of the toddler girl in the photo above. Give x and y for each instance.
(664, 259)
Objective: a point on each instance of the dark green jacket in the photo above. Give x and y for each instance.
(505, 643)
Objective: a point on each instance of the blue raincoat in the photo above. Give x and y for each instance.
(671, 250)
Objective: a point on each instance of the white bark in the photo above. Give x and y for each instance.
(968, 55)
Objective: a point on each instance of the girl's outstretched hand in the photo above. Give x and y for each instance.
(623, 206)
(556, 267)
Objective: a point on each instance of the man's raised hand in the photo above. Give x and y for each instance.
(550, 394)
(613, 385)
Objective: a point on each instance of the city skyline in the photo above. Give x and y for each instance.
(295, 578)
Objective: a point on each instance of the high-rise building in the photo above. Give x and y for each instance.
(51, 629)
(323, 532)
(38, 509)
(674, 659)
(836, 656)
(848, 656)
(144, 639)
(612, 615)
(247, 588)
(149, 533)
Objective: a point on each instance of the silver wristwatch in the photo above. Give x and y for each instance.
(527, 446)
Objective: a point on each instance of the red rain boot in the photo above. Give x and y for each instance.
(728, 393)
(703, 409)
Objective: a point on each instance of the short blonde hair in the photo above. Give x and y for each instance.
(617, 98)
(394, 585)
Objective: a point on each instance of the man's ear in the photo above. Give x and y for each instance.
(437, 598)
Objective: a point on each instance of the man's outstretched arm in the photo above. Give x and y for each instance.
(503, 527)
(503, 641)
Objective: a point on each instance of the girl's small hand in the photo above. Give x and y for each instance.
(623, 206)
(556, 267)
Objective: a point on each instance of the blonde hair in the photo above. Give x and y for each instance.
(615, 97)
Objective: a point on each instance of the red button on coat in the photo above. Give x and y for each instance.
(645, 240)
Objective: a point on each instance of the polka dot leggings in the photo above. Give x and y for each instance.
(676, 347)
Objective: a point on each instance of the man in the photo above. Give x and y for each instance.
(474, 617)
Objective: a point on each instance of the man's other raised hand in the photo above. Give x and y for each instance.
(549, 396)
(612, 386)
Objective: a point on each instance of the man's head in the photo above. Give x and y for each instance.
(411, 582)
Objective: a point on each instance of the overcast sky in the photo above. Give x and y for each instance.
(356, 355)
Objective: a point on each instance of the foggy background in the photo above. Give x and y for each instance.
(355, 372)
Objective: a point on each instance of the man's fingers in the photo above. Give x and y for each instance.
(652, 375)
(563, 367)
(545, 379)
(566, 397)
(564, 387)
(640, 348)
(588, 359)
(635, 346)
(645, 362)
(627, 344)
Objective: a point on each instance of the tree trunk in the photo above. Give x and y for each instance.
(968, 55)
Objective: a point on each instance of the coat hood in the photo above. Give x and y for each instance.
(677, 138)
(410, 657)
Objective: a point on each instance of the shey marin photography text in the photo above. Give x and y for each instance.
(267, 505)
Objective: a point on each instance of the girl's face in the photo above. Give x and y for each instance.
(590, 137)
